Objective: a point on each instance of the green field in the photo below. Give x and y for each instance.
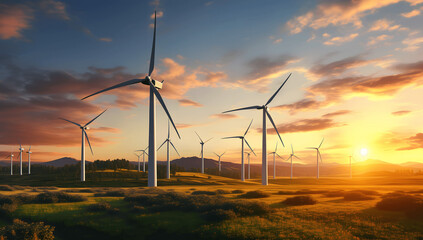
(187, 207)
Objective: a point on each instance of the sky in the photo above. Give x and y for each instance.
(356, 67)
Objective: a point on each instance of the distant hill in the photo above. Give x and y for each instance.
(412, 164)
(61, 162)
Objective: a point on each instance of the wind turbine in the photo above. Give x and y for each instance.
(248, 157)
(318, 156)
(20, 159)
(242, 149)
(84, 134)
(143, 161)
(202, 151)
(266, 114)
(29, 159)
(11, 163)
(290, 158)
(274, 160)
(168, 141)
(219, 156)
(154, 85)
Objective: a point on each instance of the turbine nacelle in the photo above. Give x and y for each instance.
(147, 80)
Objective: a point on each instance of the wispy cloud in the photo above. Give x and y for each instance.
(411, 14)
(340, 40)
(383, 25)
(401, 113)
(13, 20)
(187, 102)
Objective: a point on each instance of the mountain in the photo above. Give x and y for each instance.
(412, 164)
(61, 162)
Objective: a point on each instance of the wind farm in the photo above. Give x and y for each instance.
(331, 80)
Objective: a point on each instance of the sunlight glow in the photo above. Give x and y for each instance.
(364, 152)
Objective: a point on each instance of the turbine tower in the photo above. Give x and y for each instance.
(84, 135)
(29, 160)
(202, 151)
(138, 156)
(249, 169)
(168, 141)
(318, 156)
(242, 149)
(290, 158)
(11, 163)
(274, 160)
(20, 159)
(266, 114)
(219, 156)
(143, 160)
(154, 85)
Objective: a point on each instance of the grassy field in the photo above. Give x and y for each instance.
(197, 206)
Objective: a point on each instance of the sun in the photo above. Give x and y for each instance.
(364, 152)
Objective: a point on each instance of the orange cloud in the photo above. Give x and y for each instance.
(383, 25)
(401, 113)
(340, 40)
(411, 14)
(224, 116)
(374, 40)
(305, 125)
(187, 102)
(413, 142)
(13, 20)
(55, 8)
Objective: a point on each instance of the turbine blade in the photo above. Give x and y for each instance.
(321, 159)
(232, 137)
(29, 150)
(208, 140)
(292, 149)
(201, 140)
(168, 129)
(216, 154)
(248, 127)
(311, 148)
(153, 49)
(95, 118)
(274, 126)
(174, 148)
(297, 157)
(321, 143)
(273, 96)
(88, 140)
(146, 148)
(246, 108)
(249, 146)
(161, 145)
(223, 153)
(159, 97)
(71, 122)
(130, 82)
(276, 148)
(280, 156)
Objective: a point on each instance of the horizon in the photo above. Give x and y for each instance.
(355, 77)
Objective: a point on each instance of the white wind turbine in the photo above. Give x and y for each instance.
(219, 156)
(20, 158)
(84, 135)
(168, 141)
(248, 158)
(154, 85)
(202, 151)
(242, 149)
(11, 163)
(144, 151)
(29, 159)
(290, 158)
(274, 160)
(318, 156)
(266, 114)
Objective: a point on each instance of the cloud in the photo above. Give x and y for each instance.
(413, 142)
(380, 38)
(401, 113)
(383, 25)
(411, 14)
(340, 40)
(412, 43)
(105, 39)
(159, 14)
(155, 3)
(224, 116)
(305, 125)
(187, 102)
(182, 125)
(55, 8)
(13, 20)
(338, 13)
(337, 113)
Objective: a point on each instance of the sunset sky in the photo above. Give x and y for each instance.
(357, 70)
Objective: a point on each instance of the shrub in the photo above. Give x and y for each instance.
(403, 202)
(112, 193)
(356, 196)
(27, 231)
(221, 191)
(238, 191)
(6, 188)
(299, 201)
(102, 207)
(339, 193)
(219, 215)
(255, 194)
(203, 193)
(57, 197)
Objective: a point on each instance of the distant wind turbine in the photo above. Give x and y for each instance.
(168, 141)
(290, 157)
(266, 114)
(143, 160)
(202, 151)
(248, 158)
(11, 163)
(29, 159)
(20, 158)
(243, 139)
(274, 160)
(84, 135)
(154, 85)
(219, 156)
(318, 156)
